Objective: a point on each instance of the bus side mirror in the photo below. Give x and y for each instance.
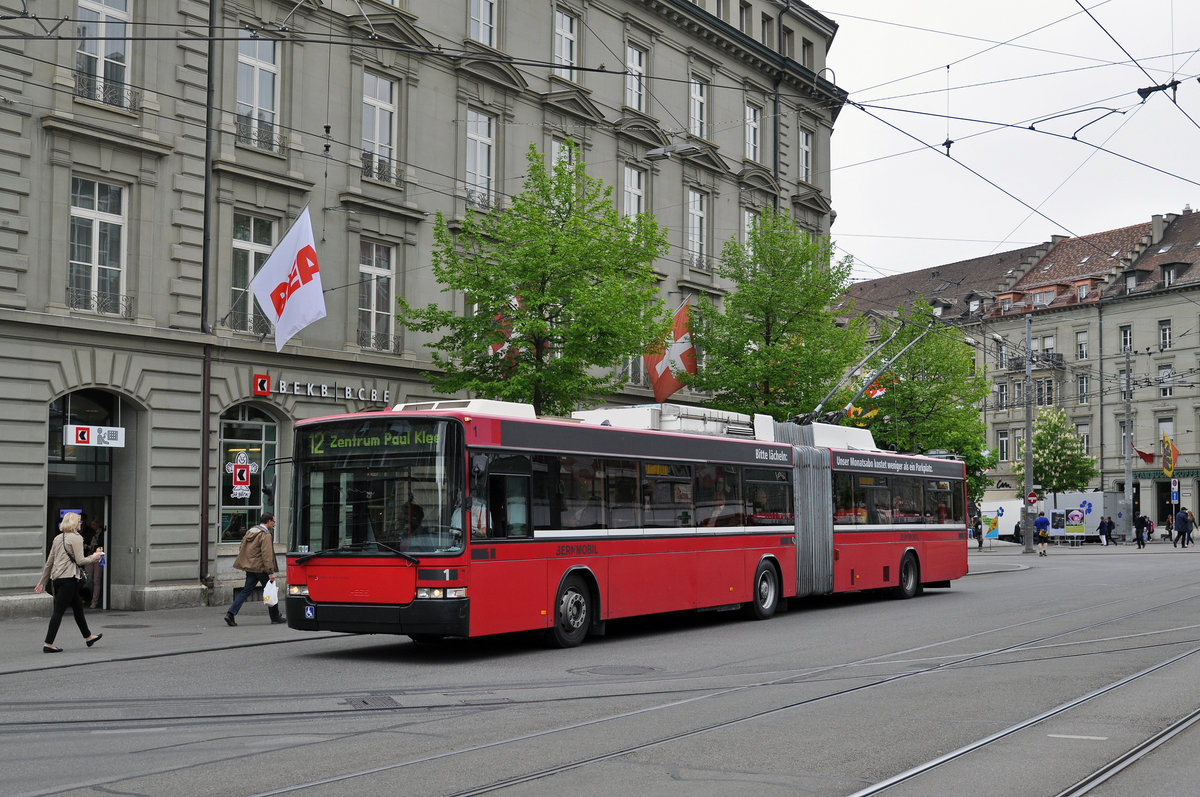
(268, 491)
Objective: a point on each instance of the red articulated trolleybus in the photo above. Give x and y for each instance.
(467, 518)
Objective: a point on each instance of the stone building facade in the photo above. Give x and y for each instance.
(155, 152)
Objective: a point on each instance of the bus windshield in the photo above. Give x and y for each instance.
(380, 484)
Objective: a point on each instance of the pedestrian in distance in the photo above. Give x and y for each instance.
(1102, 531)
(256, 556)
(62, 572)
(1191, 526)
(1041, 528)
(1183, 529)
(977, 529)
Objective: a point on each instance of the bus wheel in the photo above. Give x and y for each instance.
(765, 598)
(910, 577)
(572, 613)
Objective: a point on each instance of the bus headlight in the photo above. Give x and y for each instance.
(441, 592)
(297, 589)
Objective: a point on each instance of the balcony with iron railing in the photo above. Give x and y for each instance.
(260, 136)
(107, 92)
(378, 341)
(381, 169)
(479, 198)
(101, 303)
(251, 323)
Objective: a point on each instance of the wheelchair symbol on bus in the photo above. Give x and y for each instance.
(310, 612)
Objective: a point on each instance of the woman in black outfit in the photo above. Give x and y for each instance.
(62, 567)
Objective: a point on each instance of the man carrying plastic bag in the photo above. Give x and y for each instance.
(256, 557)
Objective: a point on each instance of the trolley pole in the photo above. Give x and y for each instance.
(1027, 512)
(1128, 452)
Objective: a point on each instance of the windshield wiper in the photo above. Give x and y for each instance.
(358, 547)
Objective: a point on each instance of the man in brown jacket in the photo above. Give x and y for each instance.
(256, 556)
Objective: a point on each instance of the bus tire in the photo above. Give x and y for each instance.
(764, 598)
(572, 612)
(910, 577)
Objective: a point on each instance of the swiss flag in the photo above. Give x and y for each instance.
(680, 356)
(288, 286)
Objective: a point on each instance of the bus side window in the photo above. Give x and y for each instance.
(508, 502)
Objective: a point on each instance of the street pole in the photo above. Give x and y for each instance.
(1027, 514)
(1128, 444)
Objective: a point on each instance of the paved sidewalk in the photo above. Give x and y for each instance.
(138, 635)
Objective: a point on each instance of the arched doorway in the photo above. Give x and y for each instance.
(80, 468)
(249, 441)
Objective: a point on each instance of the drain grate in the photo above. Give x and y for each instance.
(372, 701)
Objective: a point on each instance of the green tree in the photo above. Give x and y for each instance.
(775, 345)
(1060, 463)
(931, 397)
(559, 289)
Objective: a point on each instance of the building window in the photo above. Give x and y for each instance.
(787, 43)
(379, 129)
(767, 30)
(806, 54)
(1123, 382)
(1165, 381)
(722, 10)
(635, 77)
(1164, 335)
(1130, 282)
(253, 239)
(1168, 276)
(697, 107)
(1002, 396)
(634, 191)
(1084, 432)
(749, 219)
(1081, 292)
(248, 444)
(1044, 390)
(257, 90)
(1125, 443)
(100, 75)
(1018, 391)
(1081, 345)
(634, 371)
(1125, 336)
(697, 228)
(805, 160)
(745, 18)
(482, 27)
(376, 306)
(1048, 344)
(480, 170)
(753, 120)
(1001, 355)
(566, 44)
(1081, 388)
(1002, 452)
(97, 251)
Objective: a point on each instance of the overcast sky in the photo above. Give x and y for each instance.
(902, 205)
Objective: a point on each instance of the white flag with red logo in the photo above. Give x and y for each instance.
(679, 356)
(288, 286)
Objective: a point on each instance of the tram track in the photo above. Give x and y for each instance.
(791, 679)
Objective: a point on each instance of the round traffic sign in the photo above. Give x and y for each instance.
(1032, 498)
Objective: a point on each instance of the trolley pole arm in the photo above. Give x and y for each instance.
(838, 414)
(807, 417)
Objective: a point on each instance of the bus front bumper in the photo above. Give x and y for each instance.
(443, 617)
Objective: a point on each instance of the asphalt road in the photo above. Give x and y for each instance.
(1026, 678)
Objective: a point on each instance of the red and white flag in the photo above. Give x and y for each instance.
(679, 356)
(288, 286)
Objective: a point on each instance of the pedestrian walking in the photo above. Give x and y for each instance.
(1102, 531)
(977, 529)
(256, 556)
(1191, 526)
(1041, 528)
(61, 575)
(1183, 529)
